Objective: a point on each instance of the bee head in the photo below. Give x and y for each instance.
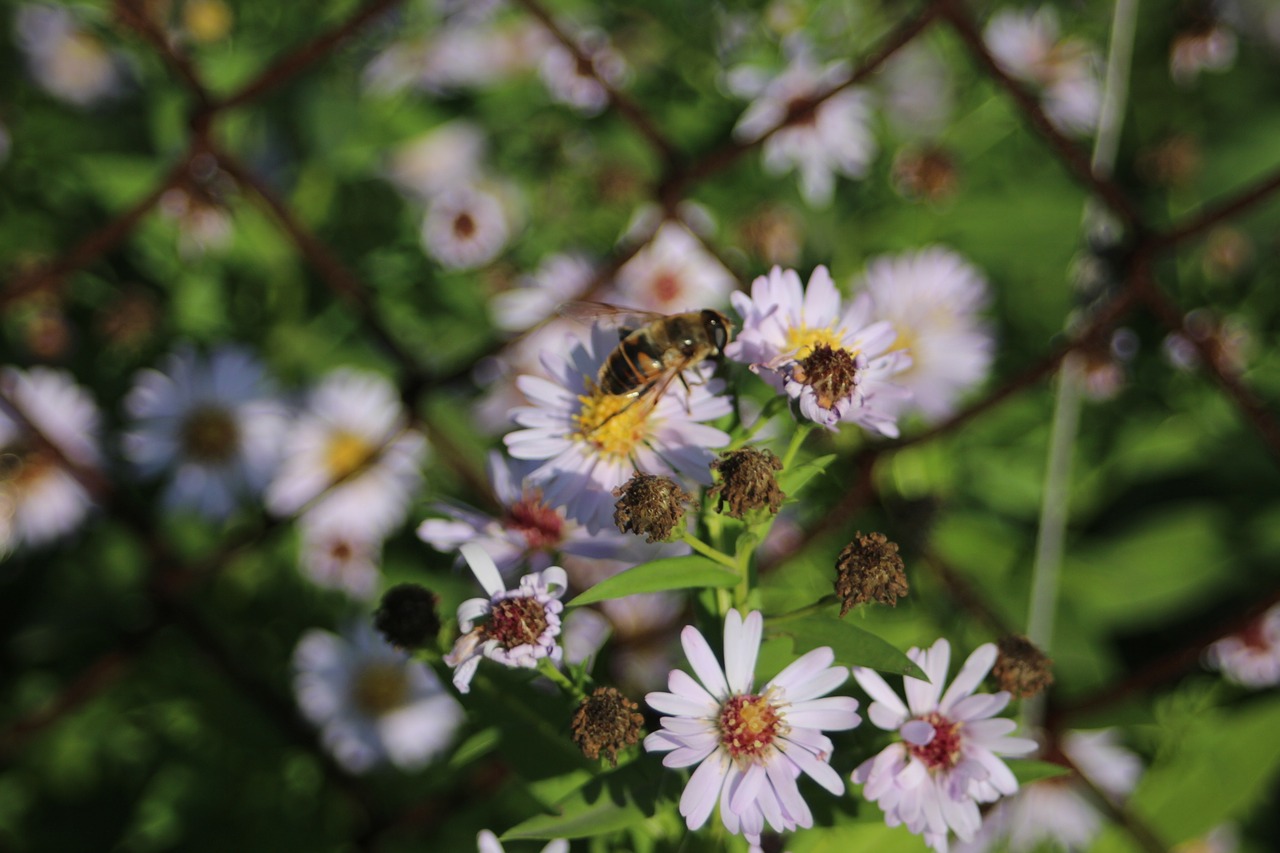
(719, 330)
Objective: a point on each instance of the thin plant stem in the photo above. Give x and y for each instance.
(707, 551)
(797, 439)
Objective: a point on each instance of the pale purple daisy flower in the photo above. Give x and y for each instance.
(1060, 812)
(528, 532)
(515, 628)
(559, 279)
(1208, 47)
(836, 362)
(213, 421)
(1252, 657)
(1026, 45)
(342, 557)
(750, 747)
(446, 156)
(948, 759)
(593, 442)
(351, 458)
(932, 297)
(577, 83)
(674, 272)
(371, 701)
(834, 138)
(65, 59)
(40, 499)
(465, 228)
(487, 842)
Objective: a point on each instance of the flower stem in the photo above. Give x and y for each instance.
(707, 551)
(551, 671)
(797, 439)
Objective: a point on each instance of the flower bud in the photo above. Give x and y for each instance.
(1021, 668)
(869, 568)
(407, 616)
(606, 722)
(649, 506)
(747, 482)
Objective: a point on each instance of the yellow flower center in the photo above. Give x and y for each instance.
(611, 423)
(802, 340)
(346, 454)
(207, 20)
(380, 688)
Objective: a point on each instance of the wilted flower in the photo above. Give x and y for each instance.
(748, 482)
(836, 363)
(592, 442)
(211, 420)
(515, 628)
(750, 747)
(40, 499)
(948, 759)
(606, 722)
(371, 701)
(650, 506)
(869, 569)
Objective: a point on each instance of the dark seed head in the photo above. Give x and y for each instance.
(869, 568)
(1021, 668)
(649, 506)
(605, 723)
(407, 616)
(748, 481)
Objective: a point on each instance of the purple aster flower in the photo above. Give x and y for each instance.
(836, 363)
(1251, 658)
(948, 759)
(750, 747)
(527, 532)
(592, 442)
(515, 628)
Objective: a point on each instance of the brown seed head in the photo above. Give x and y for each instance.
(747, 482)
(407, 616)
(1021, 668)
(606, 722)
(832, 373)
(869, 568)
(649, 506)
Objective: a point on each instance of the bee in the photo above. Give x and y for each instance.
(651, 356)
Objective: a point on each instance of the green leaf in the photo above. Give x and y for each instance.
(614, 802)
(1030, 770)
(794, 478)
(852, 645)
(691, 572)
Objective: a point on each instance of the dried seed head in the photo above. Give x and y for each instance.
(747, 481)
(649, 506)
(407, 616)
(831, 372)
(1021, 668)
(869, 568)
(606, 722)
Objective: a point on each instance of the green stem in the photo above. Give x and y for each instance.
(797, 439)
(770, 409)
(800, 612)
(707, 551)
(549, 669)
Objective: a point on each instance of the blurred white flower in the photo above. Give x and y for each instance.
(932, 297)
(213, 421)
(64, 59)
(371, 702)
(465, 228)
(820, 142)
(559, 279)
(40, 500)
(673, 273)
(342, 557)
(459, 55)
(1252, 657)
(1211, 47)
(1028, 46)
(1059, 813)
(444, 157)
(203, 224)
(578, 83)
(351, 457)
(918, 92)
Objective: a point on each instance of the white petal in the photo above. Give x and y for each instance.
(700, 795)
(482, 565)
(833, 713)
(970, 676)
(918, 732)
(704, 662)
(741, 647)
(883, 695)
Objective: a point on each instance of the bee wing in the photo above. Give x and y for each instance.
(607, 316)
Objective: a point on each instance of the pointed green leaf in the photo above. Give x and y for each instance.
(578, 820)
(794, 478)
(691, 572)
(853, 646)
(1030, 770)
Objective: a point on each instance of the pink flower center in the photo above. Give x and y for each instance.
(943, 752)
(748, 725)
(1254, 636)
(516, 622)
(464, 226)
(541, 526)
(666, 286)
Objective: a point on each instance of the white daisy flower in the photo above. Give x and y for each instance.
(835, 361)
(487, 842)
(338, 556)
(593, 442)
(40, 500)
(500, 375)
(1208, 47)
(1060, 812)
(750, 747)
(372, 702)
(210, 420)
(932, 297)
(351, 458)
(672, 273)
(919, 95)
(203, 223)
(947, 761)
(835, 138)
(577, 83)
(515, 628)
(1026, 45)
(1252, 657)
(465, 228)
(560, 278)
(527, 533)
(461, 55)
(64, 59)
(444, 157)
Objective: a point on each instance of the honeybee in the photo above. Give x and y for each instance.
(650, 356)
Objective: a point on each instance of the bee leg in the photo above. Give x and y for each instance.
(688, 392)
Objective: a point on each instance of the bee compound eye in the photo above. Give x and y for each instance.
(715, 325)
